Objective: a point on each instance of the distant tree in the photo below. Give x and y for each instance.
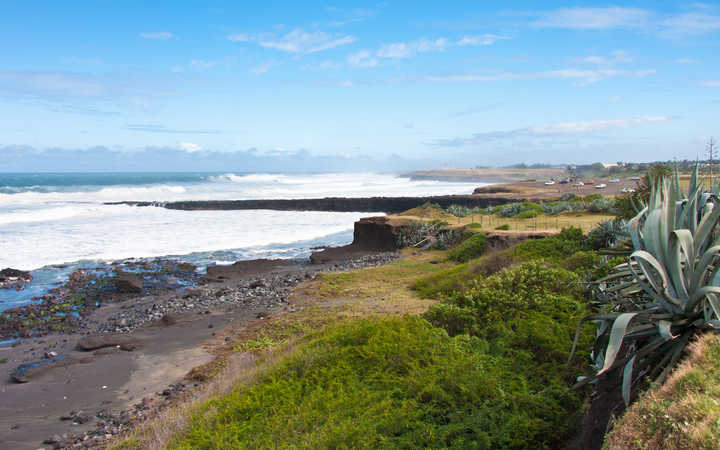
(711, 149)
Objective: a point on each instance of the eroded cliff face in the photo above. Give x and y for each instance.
(378, 233)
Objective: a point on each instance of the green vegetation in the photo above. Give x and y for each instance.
(671, 280)
(503, 227)
(484, 367)
(683, 413)
(394, 383)
(555, 248)
(3, 360)
(471, 248)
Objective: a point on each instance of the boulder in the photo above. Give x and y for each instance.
(108, 340)
(14, 279)
(128, 284)
(25, 372)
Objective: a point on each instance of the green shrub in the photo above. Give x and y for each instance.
(607, 233)
(493, 262)
(557, 247)
(474, 225)
(472, 247)
(462, 211)
(503, 227)
(582, 263)
(529, 214)
(606, 268)
(442, 283)
(601, 205)
(454, 319)
(449, 238)
(392, 383)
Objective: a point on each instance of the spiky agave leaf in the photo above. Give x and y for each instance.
(676, 262)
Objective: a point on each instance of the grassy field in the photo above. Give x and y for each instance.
(543, 222)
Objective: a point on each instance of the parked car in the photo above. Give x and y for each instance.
(627, 190)
(635, 178)
(614, 180)
(564, 181)
(589, 182)
(601, 186)
(549, 183)
(579, 183)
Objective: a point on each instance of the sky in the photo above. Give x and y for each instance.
(131, 84)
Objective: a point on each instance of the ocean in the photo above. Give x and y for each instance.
(52, 224)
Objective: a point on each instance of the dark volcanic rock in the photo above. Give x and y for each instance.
(14, 279)
(25, 372)
(108, 340)
(243, 269)
(169, 319)
(340, 204)
(128, 284)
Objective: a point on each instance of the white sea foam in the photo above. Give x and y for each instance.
(73, 223)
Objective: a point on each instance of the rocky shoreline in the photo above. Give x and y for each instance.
(96, 353)
(388, 205)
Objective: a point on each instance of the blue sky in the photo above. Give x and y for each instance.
(447, 83)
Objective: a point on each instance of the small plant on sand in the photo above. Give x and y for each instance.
(673, 277)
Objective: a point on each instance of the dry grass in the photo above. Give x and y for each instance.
(683, 413)
(543, 222)
(378, 290)
(427, 213)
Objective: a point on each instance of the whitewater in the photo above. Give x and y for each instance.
(53, 223)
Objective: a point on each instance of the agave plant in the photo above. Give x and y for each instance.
(676, 265)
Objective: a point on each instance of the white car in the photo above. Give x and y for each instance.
(614, 180)
(579, 183)
(600, 186)
(549, 183)
(628, 190)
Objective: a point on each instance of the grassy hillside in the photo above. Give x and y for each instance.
(369, 363)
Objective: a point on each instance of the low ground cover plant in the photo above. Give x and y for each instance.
(471, 248)
(393, 383)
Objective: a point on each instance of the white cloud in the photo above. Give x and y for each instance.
(396, 50)
(363, 58)
(697, 22)
(402, 50)
(200, 64)
(692, 23)
(261, 69)
(579, 18)
(616, 57)
(685, 61)
(583, 77)
(552, 130)
(157, 35)
(710, 83)
(299, 41)
(189, 147)
(238, 37)
(483, 39)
